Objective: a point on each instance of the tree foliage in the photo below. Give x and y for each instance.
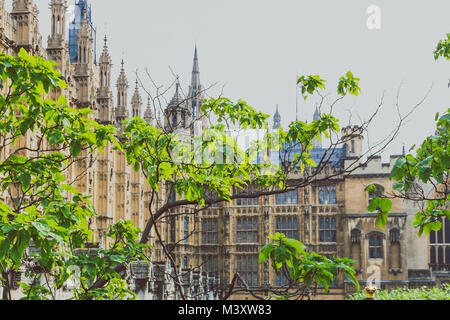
(304, 268)
(45, 210)
(424, 177)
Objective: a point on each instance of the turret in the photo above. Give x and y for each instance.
(148, 115)
(84, 66)
(25, 14)
(57, 46)
(177, 114)
(84, 43)
(122, 92)
(352, 137)
(136, 102)
(57, 35)
(104, 94)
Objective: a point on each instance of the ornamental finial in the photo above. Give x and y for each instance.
(370, 291)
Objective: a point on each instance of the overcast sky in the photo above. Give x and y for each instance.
(255, 48)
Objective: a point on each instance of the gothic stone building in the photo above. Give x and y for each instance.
(330, 218)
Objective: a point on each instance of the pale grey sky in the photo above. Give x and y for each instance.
(256, 47)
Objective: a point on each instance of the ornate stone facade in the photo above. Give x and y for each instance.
(329, 218)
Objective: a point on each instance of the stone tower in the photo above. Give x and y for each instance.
(353, 140)
(148, 115)
(82, 11)
(84, 66)
(104, 94)
(25, 16)
(122, 100)
(177, 115)
(58, 29)
(136, 102)
(57, 48)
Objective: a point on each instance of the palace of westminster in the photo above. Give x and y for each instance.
(330, 218)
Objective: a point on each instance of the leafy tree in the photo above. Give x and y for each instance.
(303, 269)
(188, 174)
(185, 175)
(44, 212)
(424, 177)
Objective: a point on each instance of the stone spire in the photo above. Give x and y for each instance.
(84, 66)
(104, 94)
(317, 115)
(122, 92)
(58, 28)
(195, 82)
(105, 64)
(25, 14)
(85, 42)
(177, 100)
(136, 102)
(158, 120)
(177, 113)
(195, 95)
(276, 120)
(148, 115)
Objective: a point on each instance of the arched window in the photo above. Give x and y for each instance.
(185, 262)
(333, 195)
(321, 196)
(376, 246)
(327, 195)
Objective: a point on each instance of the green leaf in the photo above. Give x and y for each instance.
(118, 259)
(4, 247)
(75, 148)
(25, 180)
(382, 219)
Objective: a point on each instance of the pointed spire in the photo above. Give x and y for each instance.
(276, 119)
(317, 144)
(317, 114)
(105, 57)
(403, 151)
(122, 80)
(136, 102)
(177, 100)
(195, 83)
(158, 120)
(148, 115)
